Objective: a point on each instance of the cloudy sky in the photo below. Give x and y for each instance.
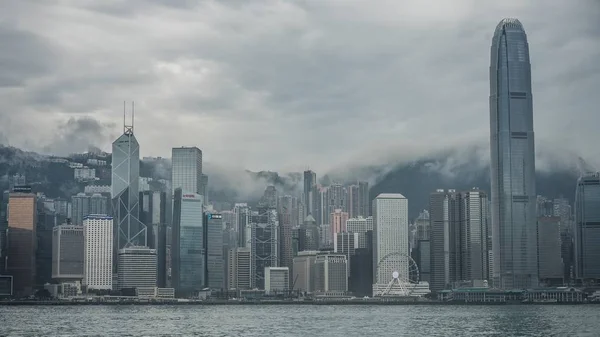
(283, 85)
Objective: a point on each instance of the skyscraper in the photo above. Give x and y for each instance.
(458, 237)
(46, 219)
(311, 239)
(473, 235)
(353, 202)
(187, 249)
(204, 188)
(390, 236)
(98, 204)
(153, 206)
(587, 227)
(84, 205)
(361, 269)
(544, 207)
(239, 268)
(512, 159)
(265, 243)
(304, 270)
(360, 226)
(242, 216)
(137, 268)
(310, 192)
(213, 243)
(443, 217)
(67, 253)
(284, 211)
(549, 245)
(81, 208)
(345, 243)
(22, 239)
(336, 199)
(98, 252)
(423, 225)
(187, 169)
(337, 222)
(269, 198)
(129, 230)
(364, 208)
(331, 273)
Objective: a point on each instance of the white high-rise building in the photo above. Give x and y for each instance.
(98, 252)
(390, 235)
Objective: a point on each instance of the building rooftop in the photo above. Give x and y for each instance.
(309, 218)
(137, 250)
(98, 217)
(390, 196)
(510, 23)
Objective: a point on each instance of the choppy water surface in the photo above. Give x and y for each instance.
(302, 320)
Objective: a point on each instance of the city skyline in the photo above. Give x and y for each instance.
(162, 237)
(303, 160)
(244, 94)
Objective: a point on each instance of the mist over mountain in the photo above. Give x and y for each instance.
(457, 169)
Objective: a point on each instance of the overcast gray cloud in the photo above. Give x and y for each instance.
(283, 85)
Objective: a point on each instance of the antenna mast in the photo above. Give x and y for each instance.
(128, 129)
(124, 129)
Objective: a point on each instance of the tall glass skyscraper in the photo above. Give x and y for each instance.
(512, 159)
(129, 230)
(310, 191)
(213, 246)
(187, 169)
(264, 243)
(587, 227)
(188, 268)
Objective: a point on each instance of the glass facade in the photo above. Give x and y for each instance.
(512, 159)
(153, 215)
(187, 169)
(587, 227)
(214, 251)
(21, 242)
(265, 243)
(130, 231)
(188, 265)
(310, 187)
(473, 236)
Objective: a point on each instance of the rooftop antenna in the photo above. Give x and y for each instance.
(124, 129)
(128, 129)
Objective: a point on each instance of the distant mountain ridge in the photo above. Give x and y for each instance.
(415, 180)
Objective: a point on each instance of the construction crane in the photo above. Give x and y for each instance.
(293, 285)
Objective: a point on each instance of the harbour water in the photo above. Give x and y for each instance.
(301, 320)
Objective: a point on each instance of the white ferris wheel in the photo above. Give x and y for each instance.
(398, 275)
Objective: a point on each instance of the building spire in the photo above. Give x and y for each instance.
(128, 129)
